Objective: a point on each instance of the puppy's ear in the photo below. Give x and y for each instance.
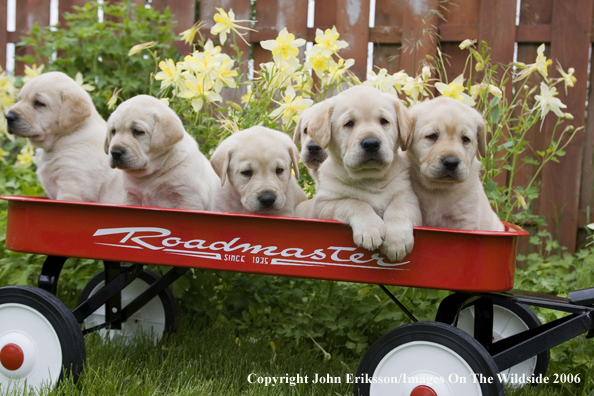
(481, 136)
(107, 140)
(298, 128)
(319, 127)
(294, 153)
(168, 130)
(220, 161)
(405, 124)
(75, 108)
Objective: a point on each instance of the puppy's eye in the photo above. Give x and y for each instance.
(383, 121)
(137, 132)
(305, 131)
(432, 137)
(279, 171)
(247, 173)
(38, 104)
(113, 131)
(465, 139)
(349, 124)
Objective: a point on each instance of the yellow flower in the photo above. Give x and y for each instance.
(248, 97)
(79, 80)
(415, 87)
(467, 43)
(165, 101)
(541, 65)
(26, 157)
(169, 74)
(319, 63)
(114, 98)
(198, 92)
(455, 90)
(225, 76)
(292, 107)
(139, 47)
(547, 101)
(327, 42)
(567, 78)
(31, 72)
(277, 74)
(225, 23)
(284, 47)
(382, 81)
(188, 35)
(337, 70)
(478, 89)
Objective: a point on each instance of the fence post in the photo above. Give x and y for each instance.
(570, 45)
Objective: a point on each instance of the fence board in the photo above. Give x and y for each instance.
(570, 45)
(387, 36)
(352, 21)
(183, 12)
(587, 181)
(28, 13)
(419, 34)
(3, 32)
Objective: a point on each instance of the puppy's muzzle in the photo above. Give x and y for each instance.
(117, 154)
(371, 145)
(313, 148)
(267, 200)
(450, 163)
(11, 119)
(315, 154)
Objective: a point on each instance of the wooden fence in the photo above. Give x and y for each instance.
(403, 34)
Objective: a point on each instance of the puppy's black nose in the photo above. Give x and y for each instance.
(371, 145)
(313, 148)
(116, 154)
(267, 200)
(450, 163)
(11, 117)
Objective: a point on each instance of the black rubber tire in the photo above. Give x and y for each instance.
(61, 319)
(166, 297)
(526, 315)
(449, 337)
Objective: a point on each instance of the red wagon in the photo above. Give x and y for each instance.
(480, 330)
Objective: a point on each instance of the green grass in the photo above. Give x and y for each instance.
(206, 359)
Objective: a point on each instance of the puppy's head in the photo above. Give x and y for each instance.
(447, 137)
(49, 105)
(312, 155)
(362, 128)
(139, 130)
(257, 162)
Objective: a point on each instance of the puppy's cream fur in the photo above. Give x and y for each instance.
(59, 119)
(311, 154)
(255, 170)
(364, 182)
(444, 169)
(161, 162)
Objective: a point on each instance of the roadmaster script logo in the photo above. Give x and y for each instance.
(234, 250)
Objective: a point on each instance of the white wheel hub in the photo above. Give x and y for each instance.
(29, 347)
(150, 319)
(505, 324)
(419, 364)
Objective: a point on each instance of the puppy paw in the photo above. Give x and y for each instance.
(369, 235)
(397, 243)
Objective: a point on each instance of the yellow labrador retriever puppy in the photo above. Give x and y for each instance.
(161, 161)
(444, 169)
(312, 155)
(60, 120)
(255, 170)
(364, 182)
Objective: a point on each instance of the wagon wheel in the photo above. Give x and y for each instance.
(509, 318)
(427, 359)
(157, 317)
(40, 340)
